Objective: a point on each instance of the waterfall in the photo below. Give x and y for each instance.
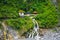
(35, 31)
(48, 35)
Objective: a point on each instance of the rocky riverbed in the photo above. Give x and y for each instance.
(45, 34)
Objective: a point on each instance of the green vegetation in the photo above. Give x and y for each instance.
(0, 26)
(10, 8)
(47, 20)
(20, 23)
(47, 15)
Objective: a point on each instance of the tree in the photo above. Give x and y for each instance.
(47, 17)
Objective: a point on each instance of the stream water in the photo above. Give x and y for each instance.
(48, 35)
(35, 33)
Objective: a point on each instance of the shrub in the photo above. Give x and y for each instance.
(20, 23)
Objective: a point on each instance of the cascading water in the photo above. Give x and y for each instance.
(48, 35)
(35, 31)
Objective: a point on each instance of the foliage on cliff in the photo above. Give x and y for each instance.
(20, 23)
(47, 15)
